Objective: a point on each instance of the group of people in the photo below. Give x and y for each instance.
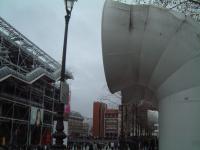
(93, 146)
(142, 143)
(130, 143)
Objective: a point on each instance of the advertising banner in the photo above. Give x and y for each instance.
(64, 92)
(36, 116)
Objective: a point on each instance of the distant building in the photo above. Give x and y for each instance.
(99, 109)
(135, 119)
(87, 126)
(119, 120)
(75, 124)
(85, 129)
(111, 123)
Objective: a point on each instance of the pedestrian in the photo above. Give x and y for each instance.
(115, 145)
(112, 145)
(91, 147)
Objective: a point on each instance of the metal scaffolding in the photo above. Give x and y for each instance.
(25, 46)
(12, 102)
(28, 78)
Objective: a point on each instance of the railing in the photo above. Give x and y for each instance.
(30, 77)
(24, 147)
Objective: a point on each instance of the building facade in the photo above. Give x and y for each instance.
(135, 119)
(111, 123)
(99, 109)
(28, 89)
(85, 131)
(88, 121)
(75, 124)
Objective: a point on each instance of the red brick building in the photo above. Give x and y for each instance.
(99, 109)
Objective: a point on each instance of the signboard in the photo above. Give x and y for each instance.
(64, 92)
(152, 117)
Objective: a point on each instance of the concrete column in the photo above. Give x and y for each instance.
(179, 121)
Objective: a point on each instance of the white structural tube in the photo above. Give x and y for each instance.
(179, 121)
(156, 52)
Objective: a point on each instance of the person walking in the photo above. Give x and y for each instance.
(91, 147)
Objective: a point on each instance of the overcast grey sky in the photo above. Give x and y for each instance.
(42, 21)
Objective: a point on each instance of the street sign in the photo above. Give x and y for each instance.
(64, 92)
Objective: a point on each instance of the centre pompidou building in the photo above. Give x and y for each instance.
(29, 89)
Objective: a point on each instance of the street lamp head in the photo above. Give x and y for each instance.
(69, 5)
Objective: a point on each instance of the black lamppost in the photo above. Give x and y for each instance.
(59, 135)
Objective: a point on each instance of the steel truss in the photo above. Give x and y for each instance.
(26, 48)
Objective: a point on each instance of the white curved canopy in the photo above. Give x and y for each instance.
(153, 53)
(150, 46)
